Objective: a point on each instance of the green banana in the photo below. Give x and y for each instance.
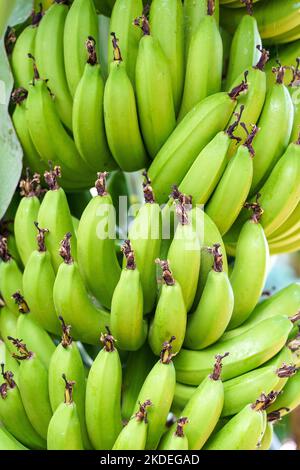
(8, 326)
(287, 401)
(289, 227)
(71, 299)
(8, 442)
(10, 276)
(13, 415)
(5, 357)
(266, 441)
(49, 54)
(54, 214)
(121, 117)
(212, 315)
(175, 440)
(134, 435)
(81, 22)
(126, 320)
(154, 91)
(247, 351)
(64, 432)
(203, 78)
(284, 242)
(159, 386)
(294, 92)
(291, 247)
(192, 134)
(96, 245)
(88, 115)
(121, 23)
(250, 267)
(170, 314)
(103, 396)
(166, 25)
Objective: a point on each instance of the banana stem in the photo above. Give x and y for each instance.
(216, 374)
(236, 91)
(279, 72)
(141, 414)
(41, 238)
(181, 422)
(65, 249)
(30, 187)
(265, 55)
(69, 385)
(116, 48)
(4, 253)
(21, 302)
(90, 45)
(249, 6)
(66, 339)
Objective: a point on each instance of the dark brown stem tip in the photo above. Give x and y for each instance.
(116, 48)
(255, 207)
(66, 339)
(218, 257)
(141, 414)
(143, 23)
(4, 253)
(295, 82)
(36, 75)
(69, 385)
(7, 376)
(19, 95)
(166, 354)
(279, 73)
(128, 252)
(36, 16)
(148, 190)
(65, 249)
(108, 340)
(265, 55)
(265, 401)
(90, 45)
(294, 345)
(298, 140)
(30, 186)
(183, 205)
(181, 422)
(250, 137)
(276, 415)
(100, 183)
(249, 6)
(295, 318)
(216, 374)
(51, 177)
(286, 371)
(211, 6)
(243, 86)
(21, 302)
(41, 238)
(235, 124)
(10, 40)
(21, 347)
(166, 272)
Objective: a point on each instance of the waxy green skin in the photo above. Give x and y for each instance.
(121, 23)
(166, 25)
(21, 65)
(243, 432)
(266, 441)
(209, 321)
(6, 358)
(38, 282)
(10, 282)
(133, 436)
(8, 442)
(193, 12)
(249, 271)
(49, 56)
(170, 441)
(285, 242)
(127, 323)
(24, 229)
(81, 23)
(96, 249)
(290, 227)
(121, 120)
(154, 94)
(185, 143)
(159, 387)
(103, 398)
(8, 327)
(71, 299)
(294, 92)
(169, 319)
(246, 352)
(289, 397)
(64, 431)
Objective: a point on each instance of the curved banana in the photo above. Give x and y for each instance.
(266, 441)
(8, 442)
(287, 401)
(175, 440)
(289, 227)
(10, 276)
(134, 435)
(291, 247)
(103, 396)
(8, 326)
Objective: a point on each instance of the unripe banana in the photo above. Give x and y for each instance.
(266, 441)
(154, 91)
(203, 78)
(212, 315)
(5, 357)
(49, 54)
(170, 314)
(287, 401)
(71, 299)
(88, 116)
(81, 22)
(66, 359)
(10, 276)
(13, 414)
(160, 386)
(103, 396)
(8, 442)
(166, 25)
(247, 351)
(134, 435)
(289, 227)
(175, 439)
(96, 245)
(64, 432)
(121, 118)
(8, 326)
(121, 23)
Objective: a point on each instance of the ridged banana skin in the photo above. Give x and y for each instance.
(212, 315)
(8, 327)
(121, 120)
(10, 282)
(97, 254)
(158, 387)
(88, 120)
(246, 352)
(266, 441)
(121, 23)
(49, 56)
(249, 271)
(243, 52)
(169, 319)
(133, 436)
(203, 78)
(54, 214)
(81, 22)
(64, 429)
(170, 441)
(68, 361)
(38, 282)
(24, 228)
(71, 299)
(275, 125)
(289, 227)
(290, 397)
(232, 191)
(166, 25)
(191, 135)
(15, 420)
(35, 338)
(33, 385)
(8, 442)
(145, 236)
(154, 95)
(126, 319)
(21, 65)
(243, 432)
(9, 362)
(103, 397)
(203, 411)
